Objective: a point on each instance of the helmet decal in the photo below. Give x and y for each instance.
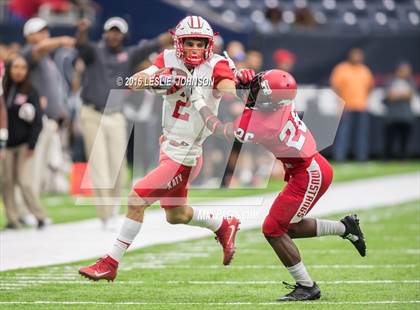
(265, 87)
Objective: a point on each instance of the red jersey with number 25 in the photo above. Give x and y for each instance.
(281, 132)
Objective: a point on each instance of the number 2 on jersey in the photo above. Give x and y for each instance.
(179, 104)
(291, 127)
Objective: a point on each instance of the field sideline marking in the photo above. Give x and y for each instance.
(335, 266)
(52, 276)
(373, 302)
(135, 282)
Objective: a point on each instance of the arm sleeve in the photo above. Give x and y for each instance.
(86, 52)
(222, 71)
(37, 123)
(143, 50)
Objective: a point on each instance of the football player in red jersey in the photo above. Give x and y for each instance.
(270, 119)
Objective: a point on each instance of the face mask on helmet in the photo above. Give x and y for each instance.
(259, 96)
(194, 51)
(193, 27)
(271, 89)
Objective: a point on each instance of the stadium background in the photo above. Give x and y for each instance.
(388, 31)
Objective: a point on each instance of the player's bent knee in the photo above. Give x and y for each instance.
(293, 231)
(135, 202)
(272, 228)
(171, 219)
(174, 216)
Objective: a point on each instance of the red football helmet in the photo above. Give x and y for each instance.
(271, 89)
(193, 27)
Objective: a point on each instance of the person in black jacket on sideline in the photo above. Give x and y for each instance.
(24, 125)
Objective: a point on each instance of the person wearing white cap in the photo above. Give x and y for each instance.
(102, 123)
(48, 82)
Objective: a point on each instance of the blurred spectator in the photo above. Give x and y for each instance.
(86, 8)
(305, 18)
(76, 138)
(273, 22)
(9, 51)
(353, 81)
(284, 59)
(218, 45)
(236, 51)
(143, 110)
(399, 116)
(4, 133)
(64, 12)
(49, 83)
(15, 48)
(254, 60)
(25, 124)
(22, 10)
(108, 64)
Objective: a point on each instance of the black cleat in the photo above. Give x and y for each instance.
(301, 293)
(354, 233)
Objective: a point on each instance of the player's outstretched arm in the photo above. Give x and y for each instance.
(212, 122)
(140, 80)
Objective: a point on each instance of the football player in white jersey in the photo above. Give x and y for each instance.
(190, 65)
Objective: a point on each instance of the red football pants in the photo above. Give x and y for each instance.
(298, 197)
(168, 182)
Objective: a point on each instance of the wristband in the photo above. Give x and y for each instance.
(209, 118)
(4, 134)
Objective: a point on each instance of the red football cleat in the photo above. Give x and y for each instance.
(226, 236)
(104, 268)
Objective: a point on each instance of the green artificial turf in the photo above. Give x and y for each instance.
(189, 275)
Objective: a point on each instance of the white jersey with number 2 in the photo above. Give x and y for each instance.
(183, 128)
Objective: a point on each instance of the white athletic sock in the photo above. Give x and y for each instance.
(206, 219)
(327, 228)
(128, 232)
(301, 276)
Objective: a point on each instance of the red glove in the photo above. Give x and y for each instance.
(245, 76)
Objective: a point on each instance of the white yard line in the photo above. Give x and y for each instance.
(129, 303)
(204, 267)
(65, 243)
(175, 282)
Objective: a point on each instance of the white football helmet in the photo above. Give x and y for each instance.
(193, 27)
